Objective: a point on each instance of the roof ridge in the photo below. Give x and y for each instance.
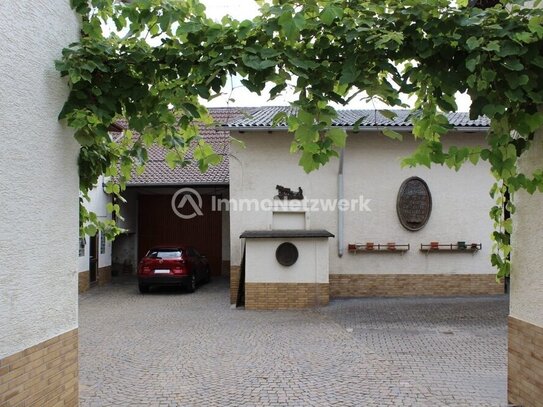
(263, 117)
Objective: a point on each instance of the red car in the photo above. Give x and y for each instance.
(173, 266)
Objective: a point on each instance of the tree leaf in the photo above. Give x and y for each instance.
(84, 138)
(389, 114)
(288, 25)
(306, 134)
(338, 136)
(308, 162)
(392, 134)
(473, 43)
(349, 72)
(330, 13)
(513, 64)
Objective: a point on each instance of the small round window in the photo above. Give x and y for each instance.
(286, 254)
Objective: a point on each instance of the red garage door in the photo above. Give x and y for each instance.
(158, 225)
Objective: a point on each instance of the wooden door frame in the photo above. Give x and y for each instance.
(96, 255)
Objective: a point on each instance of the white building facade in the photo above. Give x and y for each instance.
(94, 252)
(525, 363)
(385, 258)
(39, 188)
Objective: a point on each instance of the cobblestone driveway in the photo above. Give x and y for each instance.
(176, 349)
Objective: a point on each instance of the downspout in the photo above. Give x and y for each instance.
(340, 214)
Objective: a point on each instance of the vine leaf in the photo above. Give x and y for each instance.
(394, 135)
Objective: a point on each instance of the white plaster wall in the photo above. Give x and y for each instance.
(98, 200)
(104, 259)
(262, 266)
(97, 204)
(288, 220)
(372, 168)
(83, 261)
(38, 177)
(526, 298)
(129, 211)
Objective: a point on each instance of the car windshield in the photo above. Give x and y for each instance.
(164, 253)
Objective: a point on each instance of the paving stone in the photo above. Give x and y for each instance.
(170, 348)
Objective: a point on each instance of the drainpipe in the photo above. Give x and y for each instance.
(340, 214)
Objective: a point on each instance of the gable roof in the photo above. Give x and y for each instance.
(262, 119)
(157, 172)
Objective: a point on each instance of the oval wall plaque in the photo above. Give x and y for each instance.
(414, 203)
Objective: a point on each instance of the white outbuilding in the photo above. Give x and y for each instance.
(390, 231)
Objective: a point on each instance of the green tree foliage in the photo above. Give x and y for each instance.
(166, 54)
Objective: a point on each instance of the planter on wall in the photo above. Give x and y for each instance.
(370, 247)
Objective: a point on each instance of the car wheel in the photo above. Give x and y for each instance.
(192, 284)
(143, 288)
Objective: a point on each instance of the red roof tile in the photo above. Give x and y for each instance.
(157, 172)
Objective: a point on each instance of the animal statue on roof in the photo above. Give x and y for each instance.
(289, 194)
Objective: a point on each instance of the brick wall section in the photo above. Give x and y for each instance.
(43, 375)
(525, 365)
(285, 295)
(84, 281)
(234, 283)
(104, 275)
(399, 285)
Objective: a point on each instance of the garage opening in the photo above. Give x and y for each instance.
(159, 225)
